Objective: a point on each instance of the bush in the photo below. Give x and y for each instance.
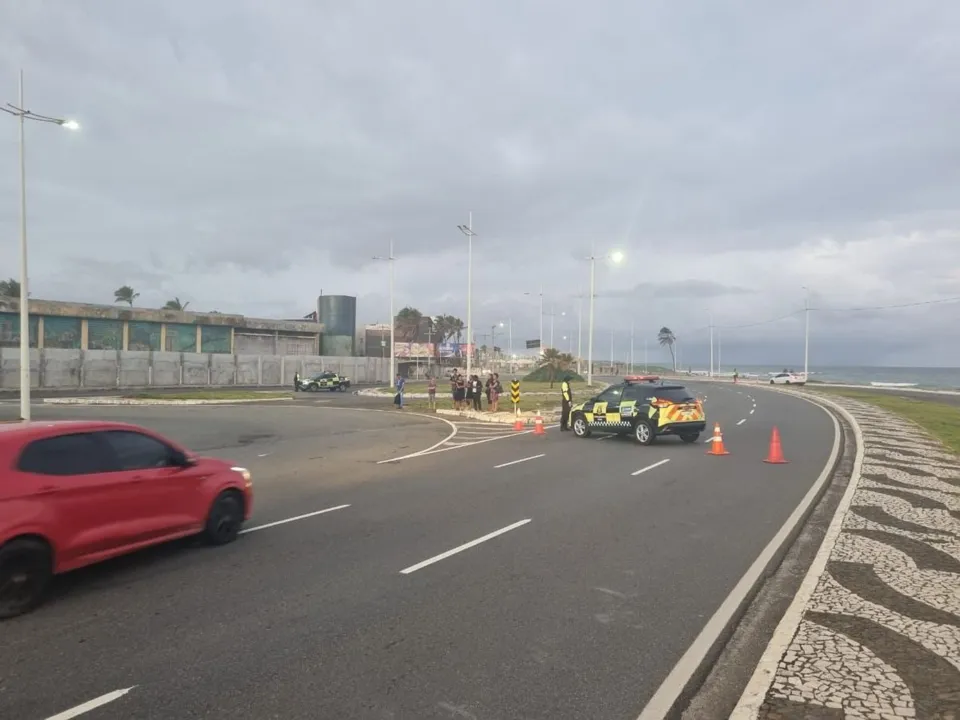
(542, 374)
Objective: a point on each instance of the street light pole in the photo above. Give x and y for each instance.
(24, 278)
(616, 257)
(393, 320)
(806, 334)
(711, 343)
(468, 231)
(611, 351)
(632, 328)
(542, 348)
(580, 330)
(593, 273)
(22, 114)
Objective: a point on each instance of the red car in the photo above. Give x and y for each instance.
(75, 493)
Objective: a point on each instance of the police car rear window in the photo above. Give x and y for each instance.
(676, 395)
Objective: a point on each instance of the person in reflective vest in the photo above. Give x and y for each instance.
(566, 396)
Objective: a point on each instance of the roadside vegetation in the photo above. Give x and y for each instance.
(225, 394)
(939, 419)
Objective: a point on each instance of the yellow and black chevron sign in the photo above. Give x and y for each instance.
(515, 392)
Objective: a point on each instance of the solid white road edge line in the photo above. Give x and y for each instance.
(756, 690)
(742, 421)
(651, 467)
(475, 442)
(292, 519)
(91, 704)
(461, 548)
(408, 414)
(673, 686)
(516, 462)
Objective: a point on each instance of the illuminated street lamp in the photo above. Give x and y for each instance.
(616, 257)
(20, 112)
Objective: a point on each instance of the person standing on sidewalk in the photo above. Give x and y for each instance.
(398, 398)
(432, 391)
(296, 380)
(566, 400)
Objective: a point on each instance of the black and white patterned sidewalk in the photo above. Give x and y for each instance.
(879, 631)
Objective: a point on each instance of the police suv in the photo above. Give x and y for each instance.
(644, 407)
(325, 381)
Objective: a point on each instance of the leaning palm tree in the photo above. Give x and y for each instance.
(175, 304)
(125, 294)
(666, 338)
(407, 324)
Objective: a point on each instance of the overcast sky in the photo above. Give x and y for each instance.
(245, 155)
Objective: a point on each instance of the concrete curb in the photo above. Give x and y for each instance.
(501, 419)
(688, 675)
(135, 401)
(754, 694)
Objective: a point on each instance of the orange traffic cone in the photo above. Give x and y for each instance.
(775, 456)
(538, 425)
(518, 423)
(716, 444)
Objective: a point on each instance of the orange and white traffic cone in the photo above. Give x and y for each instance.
(716, 443)
(538, 425)
(775, 456)
(518, 424)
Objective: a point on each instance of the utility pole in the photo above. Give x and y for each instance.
(393, 321)
(632, 328)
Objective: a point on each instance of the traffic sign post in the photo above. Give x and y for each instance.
(515, 396)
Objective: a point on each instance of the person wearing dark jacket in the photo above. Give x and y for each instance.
(566, 400)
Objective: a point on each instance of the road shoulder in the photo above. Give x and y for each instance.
(874, 631)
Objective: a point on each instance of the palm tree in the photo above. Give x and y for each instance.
(407, 324)
(175, 304)
(666, 337)
(555, 362)
(10, 288)
(126, 294)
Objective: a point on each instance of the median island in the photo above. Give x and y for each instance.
(209, 394)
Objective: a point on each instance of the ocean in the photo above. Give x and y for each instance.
(927, 378)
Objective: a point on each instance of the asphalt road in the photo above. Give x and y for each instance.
(364, 612)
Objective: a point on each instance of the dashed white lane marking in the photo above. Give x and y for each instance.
(263, 454)
(517, 462)
(91, 705)
(742, 421)
(641, 470)
(752, 410)
(292, 519)
(461, 548)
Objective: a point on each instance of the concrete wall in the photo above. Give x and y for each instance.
(65, 369)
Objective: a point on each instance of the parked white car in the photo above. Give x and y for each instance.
(786, 378)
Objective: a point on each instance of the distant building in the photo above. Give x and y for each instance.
(82, 326)
(376, 340)
(338, 315)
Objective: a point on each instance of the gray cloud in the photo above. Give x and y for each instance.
(243, 157)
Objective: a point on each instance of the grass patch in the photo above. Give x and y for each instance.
(939, 419)
(209, 395)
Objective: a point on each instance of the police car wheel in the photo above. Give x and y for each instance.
(580, 428)
(643, 433)
(690, 437)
